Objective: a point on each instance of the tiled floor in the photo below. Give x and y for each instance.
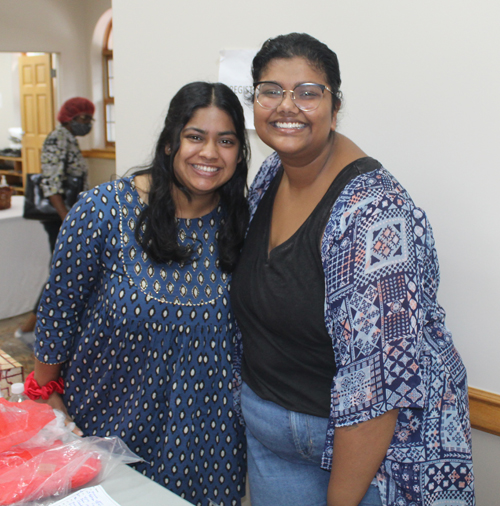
(15, 347)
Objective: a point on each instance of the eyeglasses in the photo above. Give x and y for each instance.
(306, 96)
(84, 118)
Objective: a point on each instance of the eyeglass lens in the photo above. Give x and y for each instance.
(305, 96)
(85, 118)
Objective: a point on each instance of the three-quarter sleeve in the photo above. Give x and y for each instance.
(373, 260)
(76, 268)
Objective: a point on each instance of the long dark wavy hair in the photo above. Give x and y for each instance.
(157, 230)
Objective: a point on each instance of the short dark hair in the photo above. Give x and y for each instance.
(305, 46)
(157, 230)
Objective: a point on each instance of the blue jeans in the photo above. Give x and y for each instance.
(284, 456)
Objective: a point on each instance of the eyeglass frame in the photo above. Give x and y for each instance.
(84, 118)
(323, 87)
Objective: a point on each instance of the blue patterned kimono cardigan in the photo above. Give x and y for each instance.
(391, 344)
(146, 347)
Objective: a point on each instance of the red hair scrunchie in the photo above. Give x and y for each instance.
(34, 391)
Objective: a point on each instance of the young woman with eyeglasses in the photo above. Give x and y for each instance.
(352, 390)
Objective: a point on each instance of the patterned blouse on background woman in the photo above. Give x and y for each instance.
(61, 155)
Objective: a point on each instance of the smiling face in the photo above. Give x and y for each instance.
(208, 152)
(286, 129)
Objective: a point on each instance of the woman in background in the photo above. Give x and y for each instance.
(135, 322)
(353, 392)
(61, 157)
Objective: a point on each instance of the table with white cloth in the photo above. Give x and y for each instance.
(130, 488)
(24, 260)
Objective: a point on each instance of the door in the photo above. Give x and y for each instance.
(37, 109)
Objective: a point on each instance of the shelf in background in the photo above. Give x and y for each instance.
(108, 154)
(11, 158)
(16, 162)
(4, 172)
(14, 175)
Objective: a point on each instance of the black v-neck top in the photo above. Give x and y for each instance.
(278, 300)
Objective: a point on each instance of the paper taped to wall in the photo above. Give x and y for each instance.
(235, 71)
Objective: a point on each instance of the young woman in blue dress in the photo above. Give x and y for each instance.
(135, 333)
(353, 392)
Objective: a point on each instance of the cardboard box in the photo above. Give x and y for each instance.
(11, 371)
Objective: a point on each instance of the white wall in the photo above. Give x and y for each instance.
(54, 26)
(9, 110)
(101, 170)
(420, 81)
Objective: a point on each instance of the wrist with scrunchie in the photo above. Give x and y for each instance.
(34, 391)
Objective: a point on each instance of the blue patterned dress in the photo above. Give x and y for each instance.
(391, 344)
(146, 347)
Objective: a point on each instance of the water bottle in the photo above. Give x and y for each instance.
(17, 393)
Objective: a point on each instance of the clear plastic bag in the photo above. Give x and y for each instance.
(18, 423)
(48, 459)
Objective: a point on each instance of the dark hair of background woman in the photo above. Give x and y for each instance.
(157, 230)
(305, 46)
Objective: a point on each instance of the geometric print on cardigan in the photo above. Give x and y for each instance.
(395, 297)
(449, 498)
(432, 439)
(409, 433)
(402, 374)
(359, 387)
(406, 476)
(448, 476)
(341, 326)
(449, 355)
(452, 432)
(407, 453)
(365, 317)
(384, 233)
(386, 244)
(340, 273)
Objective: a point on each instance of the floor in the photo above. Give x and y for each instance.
(15, 347)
